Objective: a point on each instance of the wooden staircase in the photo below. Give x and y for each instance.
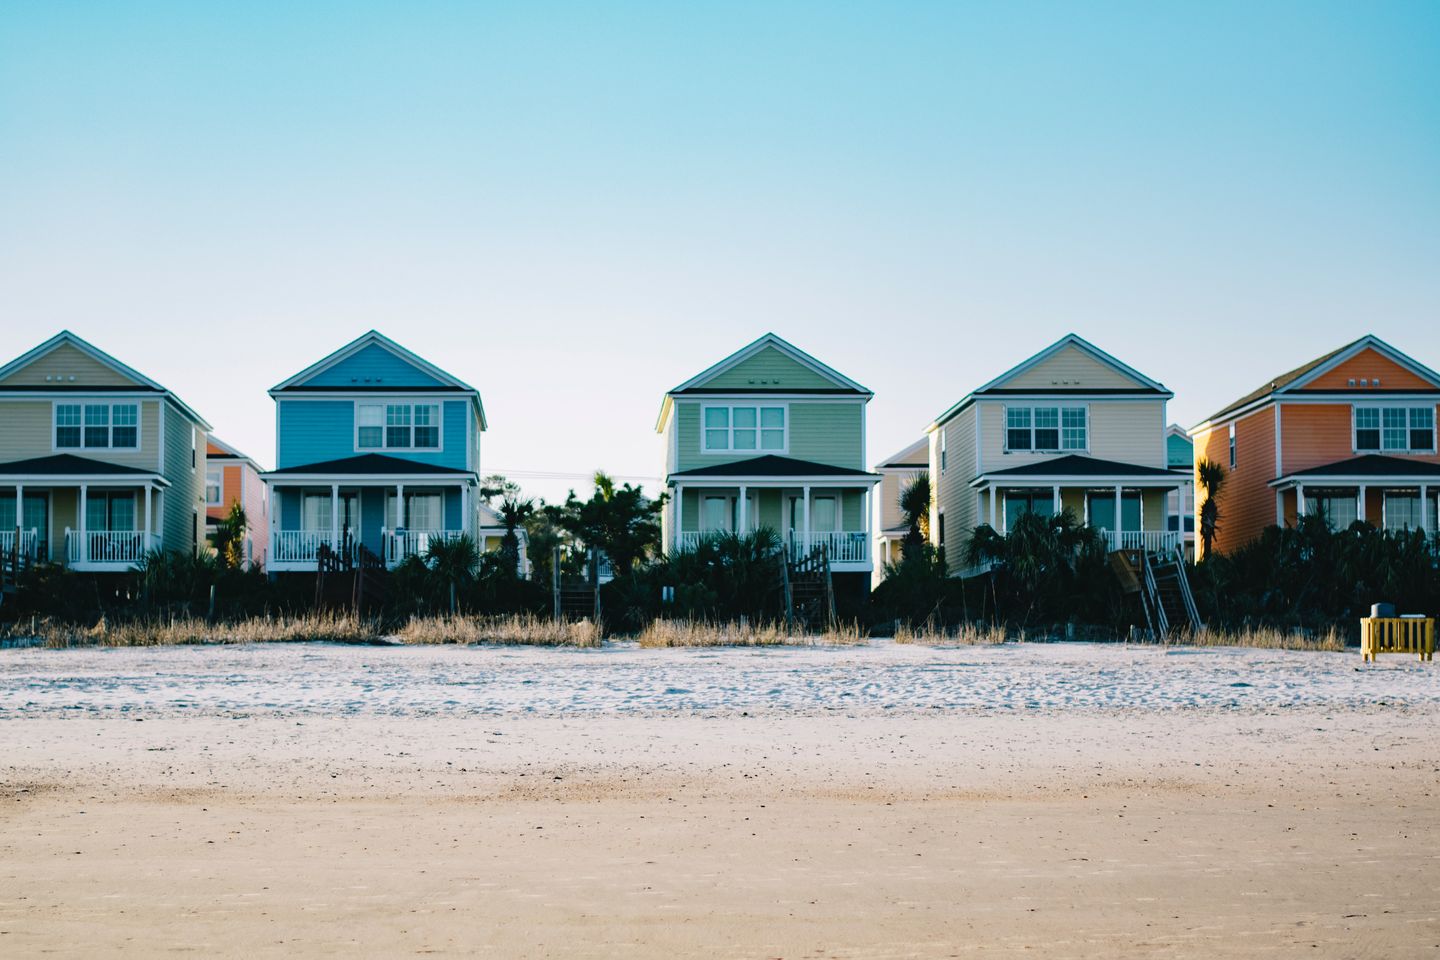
(13, 563)
(576, 598)
(354, 574)
(809, 591)
(1163, 588)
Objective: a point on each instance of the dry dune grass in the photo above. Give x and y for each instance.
(968, 634)
(153, 633)
(1264, 638)
(525, 629)
(699, 633)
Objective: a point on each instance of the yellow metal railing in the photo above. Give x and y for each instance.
(1397, 635)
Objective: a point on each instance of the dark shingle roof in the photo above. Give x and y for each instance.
(1372, 465)
(772, 466)
(1284, 380)
(369, 463)
(1074, 465)
(69, 465)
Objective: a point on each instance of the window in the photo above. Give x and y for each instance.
(827, 515)
(36, 516)
(1395, 429)
(1338, 507)
(1020, 502)
(943, 457)
(715, 515)
(97, 425)
(1100, 508)
(744, 428)
(397, 426)
(1045, 429)
(1402, 511)
(212, 488)
(315, 512)
(1232, 446)
(423, 511)
(110, 511)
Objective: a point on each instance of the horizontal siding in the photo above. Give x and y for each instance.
(375, 366)
(314, 431)
(27, 431)
(1368, 364)
(1314, 434)
(771, 368)
(1247, 502)
(1070, 367)
(62, 363)
(953, 497)
(184, 502)
(772, 505)
(830, 433)
(1126, 431)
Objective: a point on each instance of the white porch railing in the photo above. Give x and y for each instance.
(399, 545)
(28, 540)
(1153, 541)
(297, 546)
(844, 546)
(125, 547)
(687, 540)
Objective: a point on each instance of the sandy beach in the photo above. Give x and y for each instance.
(1032, 800)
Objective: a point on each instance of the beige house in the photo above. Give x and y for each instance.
(99, 464)
(1071, 428)
(897, 472)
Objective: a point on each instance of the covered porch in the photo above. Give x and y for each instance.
(1387, 492)
(805, 507)
(1130, 504)
(391, 516)
(87, 515)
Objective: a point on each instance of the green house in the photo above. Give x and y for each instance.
(770, 437)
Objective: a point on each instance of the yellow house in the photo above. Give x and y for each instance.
(1071, 428)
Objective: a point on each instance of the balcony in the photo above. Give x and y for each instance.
(850, 548)
(413, 543)
(106, 550)
(29, 540)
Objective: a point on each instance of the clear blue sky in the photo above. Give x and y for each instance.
(577, 207)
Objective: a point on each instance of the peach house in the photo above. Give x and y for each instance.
(1349, 435)
(231, 477)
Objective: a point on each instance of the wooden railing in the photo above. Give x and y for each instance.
(1397, 635)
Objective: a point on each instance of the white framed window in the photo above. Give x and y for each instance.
(1232, 446)
(827, 515)
(1394, 429)
(423, 511)
(315, 512)
(715, 515)
(110, 511)
(744, 428)
(97, 426)
(1402, 510)
(1046, 429)
(212, 488)
(1338, 507)
(397, 426)
(944, 458)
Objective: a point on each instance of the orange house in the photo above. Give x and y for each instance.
(230, 478)
(1349, 436)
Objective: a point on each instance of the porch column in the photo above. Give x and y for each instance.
(679, 537)
(150, 515)
(805, 503)
(19, 509)
(1279, 508)
(1119, 517)
(84, 511)
(1360, 504)
(993, 525)
(400, 506)
(1425, 509)
(334, 516)
(1055, 493)
(1299, 501)
(744, 511)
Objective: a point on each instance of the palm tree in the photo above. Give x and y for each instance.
(230, 537)
(914, 504)
(514, 511)
(453, 561)
(1211, 478)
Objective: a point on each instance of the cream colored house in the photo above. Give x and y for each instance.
(99, 464)
(897, 472)
(1071, 428)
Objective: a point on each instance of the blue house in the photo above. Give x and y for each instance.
(375, 449)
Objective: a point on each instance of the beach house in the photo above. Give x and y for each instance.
(897, 472)
(377, 454)
(1349, 436)
(1071, 428)
(99, 464)
(231, 477)
(770, 437)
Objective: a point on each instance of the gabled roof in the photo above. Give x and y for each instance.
(1368, 465)
(772, 466)
(841, 384)
(1144, 386)
(229, 453)
(69, 465)
(915, 455)
(376, 338)
(368, 464)
(66, 338)
(1074, 465)
(1296, 379)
